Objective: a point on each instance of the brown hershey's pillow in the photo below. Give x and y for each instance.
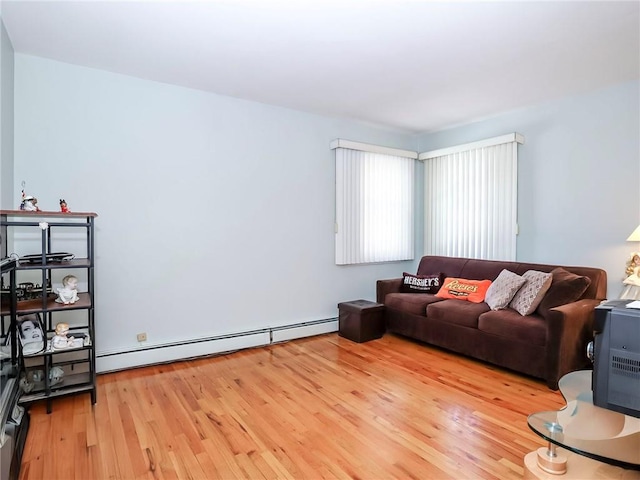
(566, 287)
(421, 283)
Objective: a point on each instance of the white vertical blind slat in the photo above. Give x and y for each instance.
(374, 207)
(471, 203)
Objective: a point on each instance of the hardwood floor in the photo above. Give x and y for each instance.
(321, 407)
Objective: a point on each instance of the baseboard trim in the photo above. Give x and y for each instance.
(301, 330)
(163, 353)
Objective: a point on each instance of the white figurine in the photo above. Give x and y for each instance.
(60, 339)
(68, 294)
(631, 289)
(29, 204)
(633, 270)
(56, 375)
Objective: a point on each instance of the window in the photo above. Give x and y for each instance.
(471, 199)
(374, 203)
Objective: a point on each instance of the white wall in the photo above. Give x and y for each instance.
(6, 128)
(578, 177)
(216, 215)
(6, 118)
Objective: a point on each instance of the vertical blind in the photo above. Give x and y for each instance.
(374, 207)
(471, 200)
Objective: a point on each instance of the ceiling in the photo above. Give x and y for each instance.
(416, 66)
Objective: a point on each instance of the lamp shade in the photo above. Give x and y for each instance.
(635, 235)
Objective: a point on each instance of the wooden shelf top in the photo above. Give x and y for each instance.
(35, 305)
(25, 213)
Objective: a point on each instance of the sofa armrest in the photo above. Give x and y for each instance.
(569, 330)
(383, 287)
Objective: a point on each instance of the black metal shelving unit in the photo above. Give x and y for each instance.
(76, 363)
(14, 420)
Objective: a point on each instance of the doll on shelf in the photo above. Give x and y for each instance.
(60, 339)
(68, 294)
(63, 206)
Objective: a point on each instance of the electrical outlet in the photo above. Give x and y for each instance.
(142, 337)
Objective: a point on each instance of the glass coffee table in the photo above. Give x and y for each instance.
(586, 430)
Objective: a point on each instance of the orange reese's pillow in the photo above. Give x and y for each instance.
(463, 289)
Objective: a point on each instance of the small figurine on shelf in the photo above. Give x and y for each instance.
(60, 340)
(63, 206)
(29, 203)
(68, 294)
(56, 375)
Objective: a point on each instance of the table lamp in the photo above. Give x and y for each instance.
(635, 235)
(634, 261)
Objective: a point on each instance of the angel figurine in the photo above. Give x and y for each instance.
(633, 270)
(631, 290)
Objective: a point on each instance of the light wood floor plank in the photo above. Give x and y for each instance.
(315, 408)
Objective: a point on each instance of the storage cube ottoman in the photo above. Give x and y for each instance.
(361, 320)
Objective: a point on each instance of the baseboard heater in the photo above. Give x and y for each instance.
(219, 344)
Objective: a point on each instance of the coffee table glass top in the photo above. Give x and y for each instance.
(588, 430)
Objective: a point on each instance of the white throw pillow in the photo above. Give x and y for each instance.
(503, 289)
(527, 299)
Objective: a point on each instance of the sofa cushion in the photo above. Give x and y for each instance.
(459, 313)
(415, 303)
(421, 283)
(502, 289)
(481, 269)
(510, 324)
(566, 287)
(527, 299)
(464, 289)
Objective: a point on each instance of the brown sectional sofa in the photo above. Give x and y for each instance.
(546, 344)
